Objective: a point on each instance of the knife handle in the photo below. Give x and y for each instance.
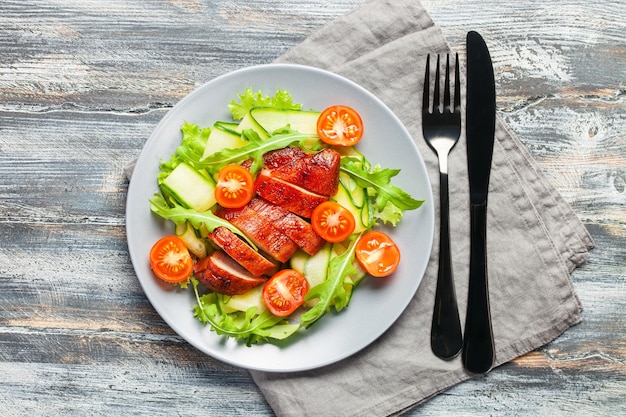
(446, 339)
(478, 348)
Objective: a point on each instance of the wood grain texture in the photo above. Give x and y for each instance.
(82, 85)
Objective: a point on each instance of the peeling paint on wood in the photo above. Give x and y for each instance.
(84, 83)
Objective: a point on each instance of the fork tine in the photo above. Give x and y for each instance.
(446, 86)
(457, 86)
(436, 92)
(426, 100)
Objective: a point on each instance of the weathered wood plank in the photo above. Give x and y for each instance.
(550, 391)
(82, 85)
(140, 388)
(93, 53)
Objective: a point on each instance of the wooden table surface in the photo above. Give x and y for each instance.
(84, 82)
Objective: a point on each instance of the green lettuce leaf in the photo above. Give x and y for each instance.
(190, 150)
(389, 214)
(241, 325)
(193, 143)
(249, 99)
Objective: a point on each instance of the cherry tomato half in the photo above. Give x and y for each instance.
(284, 292)
(377, 254)
(340, 125)
(235, 186)
(332, 221)
(170, 259)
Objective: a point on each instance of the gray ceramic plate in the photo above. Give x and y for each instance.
(376, 304)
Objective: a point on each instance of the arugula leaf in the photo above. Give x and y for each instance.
(336, 290)
(249, 99)
(242, 325)
(254, 149)
(378, 180)
(179, 214)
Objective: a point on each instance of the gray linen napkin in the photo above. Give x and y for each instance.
(534, 238)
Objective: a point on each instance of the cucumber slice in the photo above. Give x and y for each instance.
(353, 198)
(366, 218)
(298, 260)
(316, 267)
(243, 302)
(222, 138)
(195, 245)
(190, 188)
(227, 126)
(350, 151)
(248, 122)
(271, 119)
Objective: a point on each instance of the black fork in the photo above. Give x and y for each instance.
(441, 129)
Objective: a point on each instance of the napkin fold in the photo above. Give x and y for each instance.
(534, 239)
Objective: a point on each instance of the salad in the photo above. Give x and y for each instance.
(274, 215)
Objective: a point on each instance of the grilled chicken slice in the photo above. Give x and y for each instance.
(287, 195)
(241, 252)
(276, 158)
(294, 227)
(318, 173)
(222, 274)
(260, 231)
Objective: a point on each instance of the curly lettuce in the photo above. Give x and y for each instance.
(249, 99)
(190, 150)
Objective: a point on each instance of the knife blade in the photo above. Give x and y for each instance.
(478, 347)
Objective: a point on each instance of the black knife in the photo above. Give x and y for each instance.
(478, 348)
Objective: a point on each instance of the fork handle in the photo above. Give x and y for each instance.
(446, 340)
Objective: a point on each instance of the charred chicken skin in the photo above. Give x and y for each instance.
(289, 187)
(294, 227)
(318, 173)
(261, 232)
